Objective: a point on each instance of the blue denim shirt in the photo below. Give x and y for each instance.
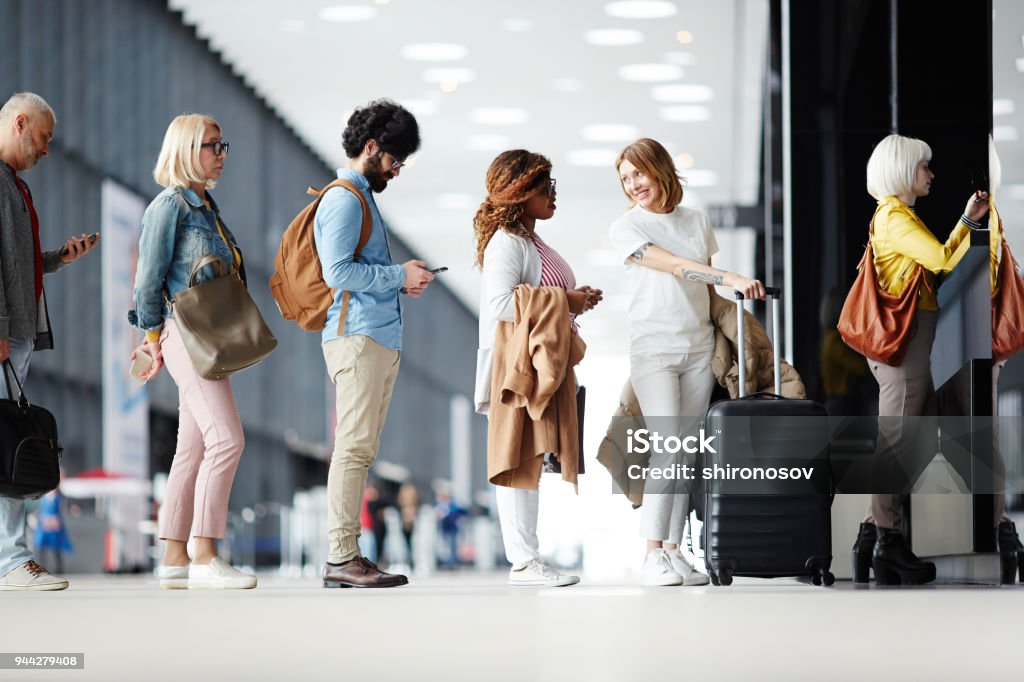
(177, 228)
(374, 283)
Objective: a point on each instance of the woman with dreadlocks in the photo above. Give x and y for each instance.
(520, 193)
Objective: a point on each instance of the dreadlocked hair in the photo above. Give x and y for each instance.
(512, 178)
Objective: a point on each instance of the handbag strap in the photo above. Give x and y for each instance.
(8, 373)
(209, 259)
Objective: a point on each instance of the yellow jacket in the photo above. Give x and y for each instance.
(900, 240)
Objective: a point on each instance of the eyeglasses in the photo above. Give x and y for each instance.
(551, 188)
(217, 147)
(397, 164)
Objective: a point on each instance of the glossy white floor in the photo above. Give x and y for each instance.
(473, 627)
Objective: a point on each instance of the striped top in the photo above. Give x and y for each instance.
(554, 271)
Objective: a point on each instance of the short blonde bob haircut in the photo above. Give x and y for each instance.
(893, 165)
(655, 162)
(178, 164)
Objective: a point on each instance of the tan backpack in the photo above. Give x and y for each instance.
(298, 281)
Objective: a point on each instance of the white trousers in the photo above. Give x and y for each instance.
(517, 511)
(674, 391)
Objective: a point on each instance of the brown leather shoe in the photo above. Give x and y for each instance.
(360, 572)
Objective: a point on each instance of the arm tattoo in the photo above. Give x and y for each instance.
(704, 277)
(638, 255)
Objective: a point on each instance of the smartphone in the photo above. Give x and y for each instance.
(92, 240)
(143, 361)
(440, 269)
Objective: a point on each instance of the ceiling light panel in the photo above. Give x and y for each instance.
(640, 9)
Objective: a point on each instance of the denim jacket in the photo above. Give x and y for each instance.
(177, 229)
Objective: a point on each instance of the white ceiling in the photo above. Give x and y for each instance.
(530, 55)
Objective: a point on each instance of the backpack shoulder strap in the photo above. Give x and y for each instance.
(367, 225)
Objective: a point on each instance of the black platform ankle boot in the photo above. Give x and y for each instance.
(1011, 553)
(895, 564)
(863, 548)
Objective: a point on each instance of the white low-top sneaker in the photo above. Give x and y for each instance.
(681, 565)
(657, 570)
(536, 574)
(218, 575)
(31, 577)
(172, 577)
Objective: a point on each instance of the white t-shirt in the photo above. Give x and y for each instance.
(667, 314)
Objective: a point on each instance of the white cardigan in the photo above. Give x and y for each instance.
(508, 262)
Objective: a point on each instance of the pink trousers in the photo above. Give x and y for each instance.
(210, 443)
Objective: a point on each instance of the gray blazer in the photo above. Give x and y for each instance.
(21, 316)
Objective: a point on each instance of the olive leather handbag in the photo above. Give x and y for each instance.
(220, 325)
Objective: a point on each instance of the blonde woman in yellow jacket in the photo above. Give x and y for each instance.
(897, 176)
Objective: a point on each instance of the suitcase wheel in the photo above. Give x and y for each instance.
(714, 578)
(823, 577)
(725, 577)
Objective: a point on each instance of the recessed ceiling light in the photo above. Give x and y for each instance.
(1020, 64)
(434, 52)
(488, 143)
(293, 25)
(1004, 133)
(685, 37)
(345, 13)
(613, 37)
(684, 160)
(680, 58)
(640, 9)
(609, 132)
(382, 2)
(448, 86)
(683, 93)
(650, 73)
(1002, 106)
(701, 178)
(592, 157)
(499, 116)
(685, 113)
(517, 25)
(456, 75)
(456, 201)
(567, 84)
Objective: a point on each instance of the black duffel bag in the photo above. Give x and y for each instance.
(29, 448)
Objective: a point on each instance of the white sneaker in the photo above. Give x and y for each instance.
(658, 570)
(172, 577)
(681, 565)
(536, 574)
(31, 577)
(218, 575)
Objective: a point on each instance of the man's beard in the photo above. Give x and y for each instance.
(29, 152)
(378, 181)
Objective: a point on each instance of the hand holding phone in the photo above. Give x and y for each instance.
(440, 269)
(82, 242)
(141, 364)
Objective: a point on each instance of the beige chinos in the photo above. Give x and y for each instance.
(364, 374)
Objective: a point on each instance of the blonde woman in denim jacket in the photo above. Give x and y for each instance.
(182, 224)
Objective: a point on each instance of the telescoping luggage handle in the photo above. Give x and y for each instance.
(775, 294)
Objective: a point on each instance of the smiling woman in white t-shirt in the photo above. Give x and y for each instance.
(667, 250)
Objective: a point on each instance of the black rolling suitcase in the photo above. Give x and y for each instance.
(767, 527)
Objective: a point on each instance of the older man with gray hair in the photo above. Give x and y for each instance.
(26, 128)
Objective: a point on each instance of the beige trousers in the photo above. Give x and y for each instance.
(905, 391)
(364, 373)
